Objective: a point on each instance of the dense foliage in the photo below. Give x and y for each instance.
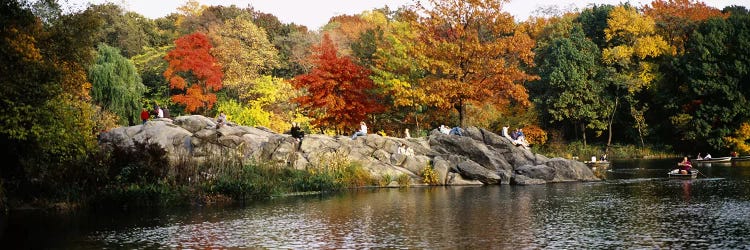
(116, 85)
(671, 73)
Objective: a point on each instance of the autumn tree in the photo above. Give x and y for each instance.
(338, 91)
(291, 41)
(116, 85)
(270, 107)
(396, 67)
(632, 46)
(345, 29)
(195, 71)
(473, 55)
(244, 53)
(676, 19)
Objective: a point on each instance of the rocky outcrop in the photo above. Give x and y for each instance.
(477, 157)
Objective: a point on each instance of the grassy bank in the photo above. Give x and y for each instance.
(221, 178)
(616, 151)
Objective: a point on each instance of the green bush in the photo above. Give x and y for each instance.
(404, 180)
(385, 180)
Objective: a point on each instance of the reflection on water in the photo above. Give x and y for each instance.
(636, 207)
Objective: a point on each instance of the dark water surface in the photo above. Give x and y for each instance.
(636, 207)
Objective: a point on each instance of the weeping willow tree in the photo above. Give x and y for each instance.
(116, 85)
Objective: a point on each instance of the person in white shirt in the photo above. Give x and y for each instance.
(443, 129)
(361, 132)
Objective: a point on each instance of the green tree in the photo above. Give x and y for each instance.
(396, 70)
(116, 85)
(128, 31)
(151, 65)
(47, 125)
(570, 90)
(594, 21)
(718, 83)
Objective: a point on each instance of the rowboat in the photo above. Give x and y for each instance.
(677, 175)
(714, 160)
(741, 158)
(596, 163)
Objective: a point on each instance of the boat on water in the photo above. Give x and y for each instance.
(596, 163)
(741, 158)
(677, 175)
(714, 160)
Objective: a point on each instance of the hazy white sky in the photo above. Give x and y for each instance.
(315, 13)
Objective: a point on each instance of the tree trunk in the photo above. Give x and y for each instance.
(611, 119)
(643, 145)
(583, 132)
(416, 119)
(461, 113)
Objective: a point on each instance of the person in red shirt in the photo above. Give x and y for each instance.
(685, 166)
(144, 115)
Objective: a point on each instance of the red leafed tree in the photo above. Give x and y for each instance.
(193, 70)
(338, 91)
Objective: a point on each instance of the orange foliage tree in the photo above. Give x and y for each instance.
(676, 19)
(195, 71)
(338, 91)
(474, 55)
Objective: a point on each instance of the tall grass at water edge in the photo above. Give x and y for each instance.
(576, 150)
(225, 177)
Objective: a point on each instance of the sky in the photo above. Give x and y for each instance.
(316, 13)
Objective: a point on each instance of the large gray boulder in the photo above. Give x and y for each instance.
(477, 157)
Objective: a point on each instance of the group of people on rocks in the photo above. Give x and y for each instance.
(157, 112)
(451, 131)
(517, 136)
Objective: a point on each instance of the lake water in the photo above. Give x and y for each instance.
(635, 207)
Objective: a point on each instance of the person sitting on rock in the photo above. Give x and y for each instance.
(456, 131)
(401, 149)
(165, 111)
(220, 120)
(443, 129)
(144, 115)
(405, 150)
(505, 132)
(296, 132)
(362, 130)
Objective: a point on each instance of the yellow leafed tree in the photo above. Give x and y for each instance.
(245, 54)
(474, 54)
(740, 139)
